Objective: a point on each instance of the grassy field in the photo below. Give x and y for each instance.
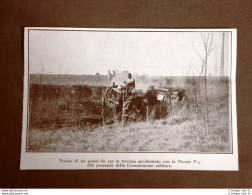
(67, 117)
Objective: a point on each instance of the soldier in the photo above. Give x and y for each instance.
(109, 77)
(130, 83)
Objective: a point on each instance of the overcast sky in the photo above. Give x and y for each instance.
(152, 53)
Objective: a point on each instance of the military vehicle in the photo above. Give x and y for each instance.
(136, 105)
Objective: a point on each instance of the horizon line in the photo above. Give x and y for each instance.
(132, 74)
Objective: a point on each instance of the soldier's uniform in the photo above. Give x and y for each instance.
(131, 83)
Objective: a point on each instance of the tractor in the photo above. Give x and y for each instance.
(135, 105)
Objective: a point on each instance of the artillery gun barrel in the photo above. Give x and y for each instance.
(161, 89)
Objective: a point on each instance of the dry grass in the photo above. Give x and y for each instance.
(174, 134)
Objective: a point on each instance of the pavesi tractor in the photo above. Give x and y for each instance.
(135, 105)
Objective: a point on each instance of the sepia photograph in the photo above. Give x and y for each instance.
(132, 98)
(129, 91)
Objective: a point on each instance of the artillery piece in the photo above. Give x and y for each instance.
(135, 105)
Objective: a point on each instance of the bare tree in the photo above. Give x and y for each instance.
(103, 99)
(207, 40)
(195, 85)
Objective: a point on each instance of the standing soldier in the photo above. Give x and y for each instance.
(109, 77)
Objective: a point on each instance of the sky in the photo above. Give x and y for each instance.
(152, 53)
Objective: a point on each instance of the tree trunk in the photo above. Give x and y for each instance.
(103, 120)
(206, 98)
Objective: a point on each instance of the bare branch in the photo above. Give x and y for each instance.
(211, 49)
(210, 45)
(202, 68)
(204, 41)
(203, 38)
(207, 39)
(198, 54)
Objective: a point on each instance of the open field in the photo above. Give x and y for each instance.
(66, 115)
